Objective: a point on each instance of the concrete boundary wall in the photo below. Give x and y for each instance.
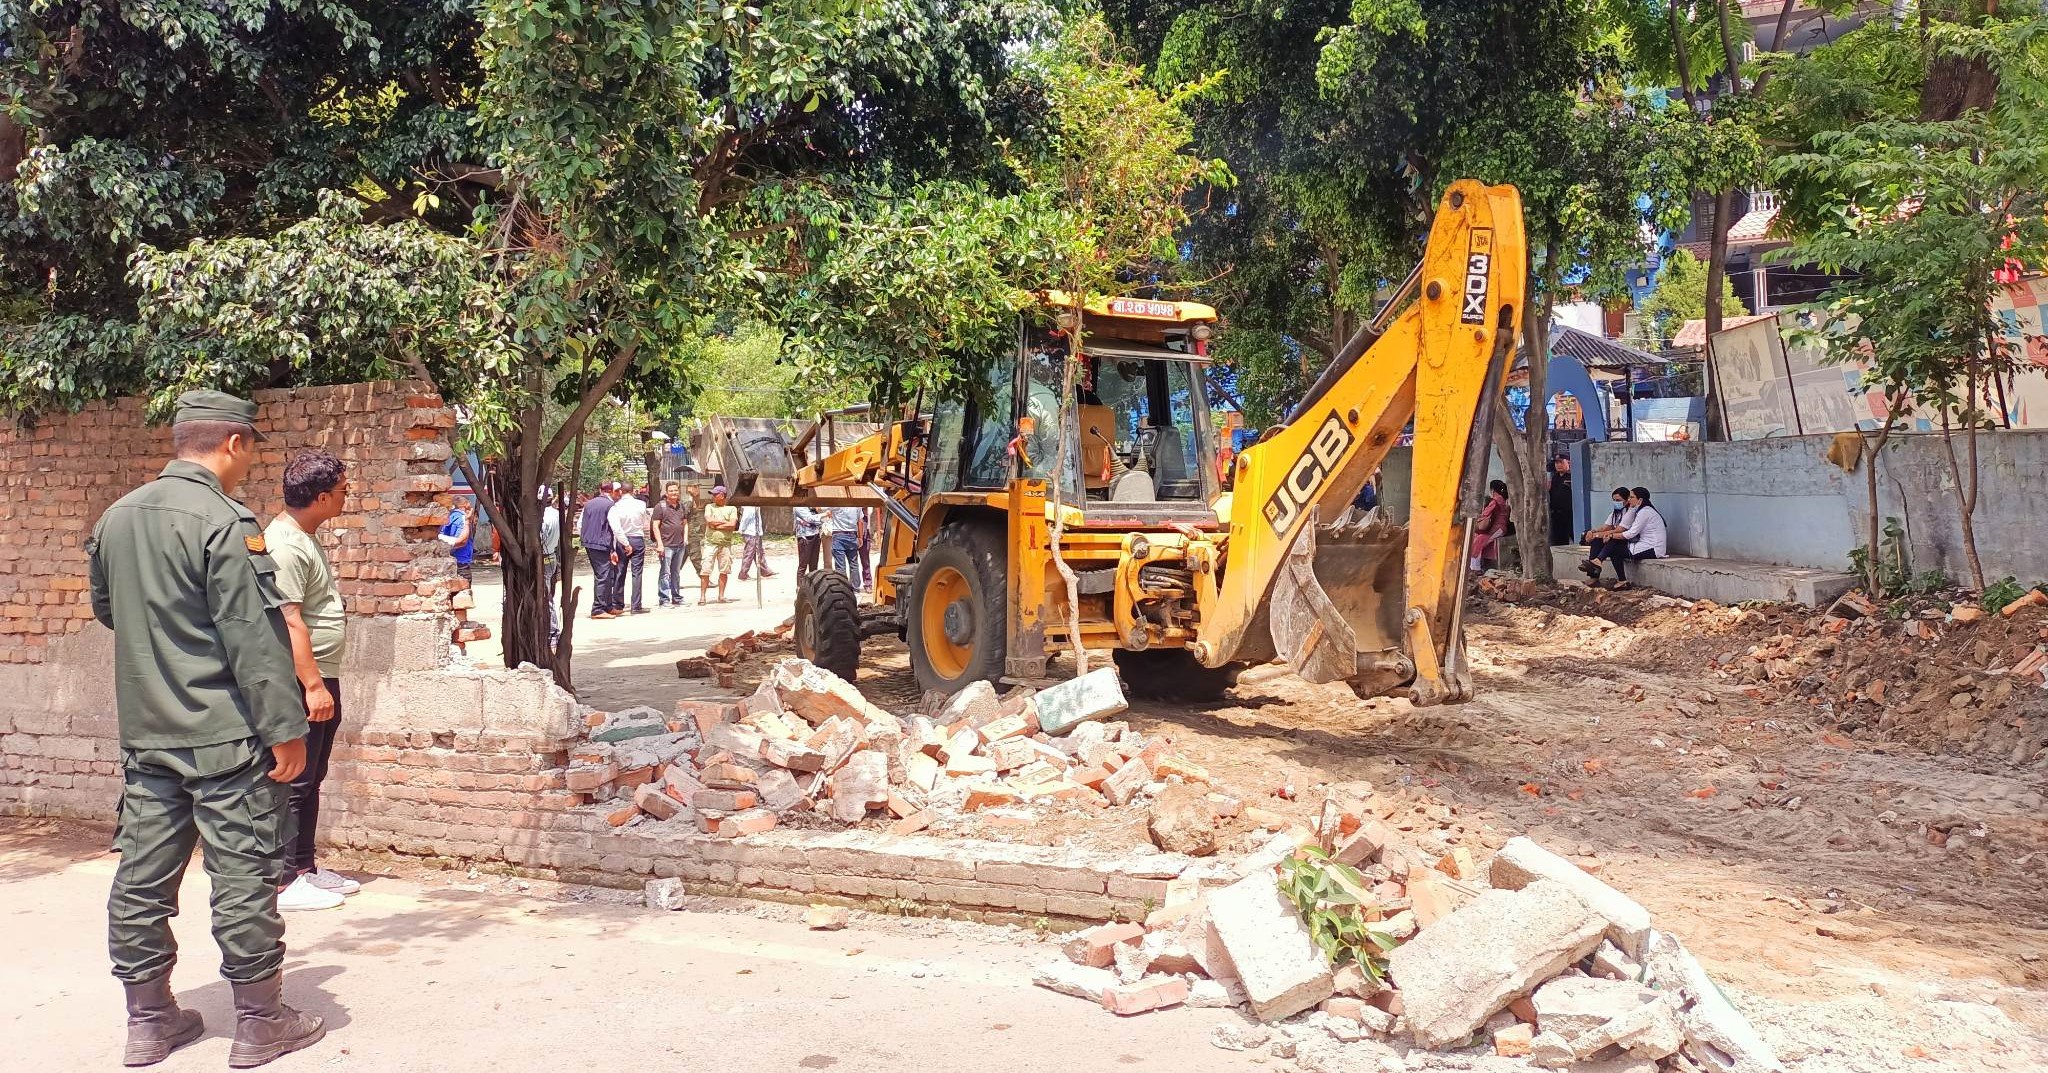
(1780, 501)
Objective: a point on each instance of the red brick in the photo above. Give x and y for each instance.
(655, 803)
(1145, 995)
(725, 800)
(911, 824)
(622, 816)
(729, 776)
(751, 822)
(1097, 945)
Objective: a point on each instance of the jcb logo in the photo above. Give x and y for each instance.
(1305, 481)
(1478, 276)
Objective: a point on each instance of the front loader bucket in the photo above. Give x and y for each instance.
(1339, 603)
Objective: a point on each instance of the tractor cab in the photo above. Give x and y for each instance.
(1138, 415)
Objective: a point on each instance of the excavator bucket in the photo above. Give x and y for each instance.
(1339, 602)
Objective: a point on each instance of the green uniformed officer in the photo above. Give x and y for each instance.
(212, 732)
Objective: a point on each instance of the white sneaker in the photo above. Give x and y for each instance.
(303, 895)
(334, 881)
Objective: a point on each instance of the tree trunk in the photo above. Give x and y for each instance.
(13, 148)
(1531, 501)
(1717, 276)
(1871, 561)
(1966, 488)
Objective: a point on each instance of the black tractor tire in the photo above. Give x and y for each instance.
(971, 553)
(828, 622)
(1173, 674)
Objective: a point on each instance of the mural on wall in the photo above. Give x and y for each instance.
(1777, 385)
(2024, 312)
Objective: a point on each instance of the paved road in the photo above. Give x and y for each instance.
(631, 660)
(427, 976)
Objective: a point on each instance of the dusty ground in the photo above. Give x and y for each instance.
(428, 972)
(1879, 905)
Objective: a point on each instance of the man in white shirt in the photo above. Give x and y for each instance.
(629, 527)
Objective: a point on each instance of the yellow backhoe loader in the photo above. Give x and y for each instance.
(1188, 568)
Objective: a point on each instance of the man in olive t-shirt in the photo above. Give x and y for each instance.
(315, 487)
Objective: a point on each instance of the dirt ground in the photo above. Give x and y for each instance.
(1873, 889)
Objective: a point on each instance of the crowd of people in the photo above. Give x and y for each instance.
(618, 531)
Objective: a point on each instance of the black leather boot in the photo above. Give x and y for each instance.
(156, 1026)
(265, 1028)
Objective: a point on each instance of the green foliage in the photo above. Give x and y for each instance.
(1894, 573)
(2000, 593)
(147, 127)
(906, 291)
(329, 297)
(743, 373)
(1920, 212)
(1681, 295)
(1328, 895)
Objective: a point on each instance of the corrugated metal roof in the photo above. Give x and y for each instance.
(1598, 352)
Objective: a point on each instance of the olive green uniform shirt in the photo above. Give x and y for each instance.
(305, 578)
(201, 657)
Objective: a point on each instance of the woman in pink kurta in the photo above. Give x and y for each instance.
(1491, 527)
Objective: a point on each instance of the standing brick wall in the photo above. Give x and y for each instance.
(59, 742)
(57, 477)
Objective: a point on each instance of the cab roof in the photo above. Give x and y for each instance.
(1137, 308)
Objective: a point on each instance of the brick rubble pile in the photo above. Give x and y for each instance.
(807, 742)
(1946, 678)
(1530, 960)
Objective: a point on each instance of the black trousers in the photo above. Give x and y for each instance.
(605, 579)
(807, 554)
(1620, 556)
(305, 800)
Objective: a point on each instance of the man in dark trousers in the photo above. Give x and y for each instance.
(213, 730)
(315, 487)
(599, 544)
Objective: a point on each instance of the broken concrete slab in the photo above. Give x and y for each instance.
(1717, 1036)
(1651, 1030)
(1283, 970)
(1096, 695)
(1214, 994)
(1610, 963)
(1080, 981)
(1455, 975)
(1550, 1051)
(1573, 1006)
(1522, 862)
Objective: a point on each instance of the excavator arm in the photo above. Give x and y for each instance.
(1376, 605)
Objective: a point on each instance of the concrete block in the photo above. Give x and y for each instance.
(976, 705)
(1717, 1037)
(1095, 695)
(1467, 967)
(1522, 862)
(1650, 1030)
(666, 894)
(1080, 981)
(1283, 971)
(1573, 1006)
